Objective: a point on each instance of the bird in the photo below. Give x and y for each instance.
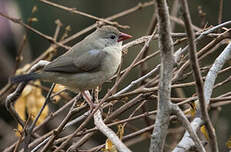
(86, 65)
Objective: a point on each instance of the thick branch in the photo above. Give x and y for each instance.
(167, 61)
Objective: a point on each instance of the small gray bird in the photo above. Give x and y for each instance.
(87, 64)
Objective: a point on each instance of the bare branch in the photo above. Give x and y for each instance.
(198, 77)
(135, 82)
(220, 11)
(212, 74)
(75, 11)
(19, 21)
(15, 95)
(57, 131)
(181, 116)
(166, 69)
(70, 128)
(99, 123)
(185, 143)
(30, 129)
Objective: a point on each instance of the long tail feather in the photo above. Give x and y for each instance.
(24, 77)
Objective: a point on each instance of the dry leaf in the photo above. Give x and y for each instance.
(34, 9)
(191, 111)
(23, 69)
(33, 19)
(109, 146)
(30, 102)
(204, 132)
(58, 88)
(120, 131)
(20, 107)
(228, 143)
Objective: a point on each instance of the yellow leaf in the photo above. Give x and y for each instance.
(68, 28)
(19, 130)
(120, 131)
(187, 111)
(33, 19)
(23, 69)
(34, 9)
(109, 146)
(35, 101)
(20, 108)
(191, 111)
(204, 132)
(228, 143)
(30, 102)
(27, 90)
(57, 89)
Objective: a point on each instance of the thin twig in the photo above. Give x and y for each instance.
(186, 142)
(42, 138)
(210, 46)
(19, 56)
(135, 82)
(57, 30)
(19, 21)
(75, 11)
(57, 131)
(220, 11)
(15, 95)
(99, 123)
(174, 12)
(198, 77)
(203, 34)
(144, 65)
(30, 129)
(181, 116)
(139, 6)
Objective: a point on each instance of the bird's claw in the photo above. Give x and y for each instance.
(93, 106)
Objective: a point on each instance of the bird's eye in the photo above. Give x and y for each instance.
(113, 37)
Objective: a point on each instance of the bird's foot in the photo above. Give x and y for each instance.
(92, 107)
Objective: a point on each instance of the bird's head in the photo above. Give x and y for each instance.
(110, 35)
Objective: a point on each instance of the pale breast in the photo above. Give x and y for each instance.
(111, 61)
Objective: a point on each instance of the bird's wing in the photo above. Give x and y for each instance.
(90, 61)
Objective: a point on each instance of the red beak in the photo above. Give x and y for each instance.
(123, 37)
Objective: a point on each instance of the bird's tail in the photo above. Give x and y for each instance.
(24, 77)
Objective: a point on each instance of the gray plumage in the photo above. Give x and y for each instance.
(87, 64)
